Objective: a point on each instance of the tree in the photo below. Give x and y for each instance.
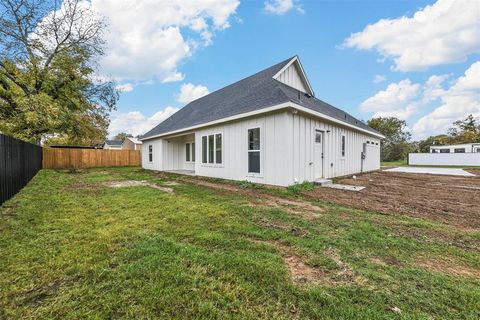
(396, 144)
(122, 135)
(423, 146)
(465, 131)
(49, 88)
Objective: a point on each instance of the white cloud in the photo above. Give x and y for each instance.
(445, 32)
(458, 101)
(137, 123)
(280, 7)
(124, 87)
(379, 78)
(397, 100)
(190, 92)
(148, 39)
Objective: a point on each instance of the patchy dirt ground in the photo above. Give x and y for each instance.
(450, 199)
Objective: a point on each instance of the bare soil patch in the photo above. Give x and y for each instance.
(449, 199)
(135, 183)
(301, 273)
(450, 267)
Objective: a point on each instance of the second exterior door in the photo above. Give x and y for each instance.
(318, 154)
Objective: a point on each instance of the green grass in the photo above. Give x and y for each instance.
(299, 187)
(399, 163)
(72, 248)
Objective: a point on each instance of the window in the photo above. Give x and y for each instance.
(187, 152)
(204, 149)
(190, 152)
(254, 150)
(343, 146)
(478, 149)
(218, 148)
(212, 148)
(150, 153)
(318, 137)
(460, 150)
(444, 150)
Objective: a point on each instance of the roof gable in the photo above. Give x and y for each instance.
(293, 75)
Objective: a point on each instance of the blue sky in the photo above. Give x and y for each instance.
(418, 65)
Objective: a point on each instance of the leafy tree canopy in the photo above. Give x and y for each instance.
(122, 135)
(49, 85)
(462, 131)
(396, 144)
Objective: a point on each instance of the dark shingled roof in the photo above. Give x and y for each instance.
(114, 142)
(253, 93)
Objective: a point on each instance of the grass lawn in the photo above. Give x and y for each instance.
(73, 247)
(399, 163)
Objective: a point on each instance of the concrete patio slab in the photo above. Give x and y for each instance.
(428, 170)
(344, 187)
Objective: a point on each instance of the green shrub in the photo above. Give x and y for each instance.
(298, 187)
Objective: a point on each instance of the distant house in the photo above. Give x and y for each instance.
(113, 144)
(131, 143)
(268, 128)
(456, 148)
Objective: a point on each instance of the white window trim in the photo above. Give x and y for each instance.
(150, 146)
(254, 174)
(214, 164)
(343, 153)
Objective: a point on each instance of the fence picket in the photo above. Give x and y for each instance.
(65, 158)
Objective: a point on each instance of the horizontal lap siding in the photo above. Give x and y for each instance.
(302, 136)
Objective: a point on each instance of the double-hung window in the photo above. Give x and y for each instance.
(254, 150)
(190, 152)
(187, 152)
(212, 149)
(150, 153)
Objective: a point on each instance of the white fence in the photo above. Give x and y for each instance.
(444, 159)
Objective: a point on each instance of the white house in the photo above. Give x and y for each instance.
(456, 148)
(113, 145)
(267, 128)
(131, 143)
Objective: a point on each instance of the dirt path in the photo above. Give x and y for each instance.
(453, 200)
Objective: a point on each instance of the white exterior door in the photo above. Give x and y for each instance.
(318, 154)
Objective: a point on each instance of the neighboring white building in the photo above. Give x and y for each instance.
(267, 128)
(456, 148)
(131, 143)
(113, 144)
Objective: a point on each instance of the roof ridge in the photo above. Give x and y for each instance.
(245, 78)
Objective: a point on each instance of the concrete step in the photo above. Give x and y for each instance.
(322, 182)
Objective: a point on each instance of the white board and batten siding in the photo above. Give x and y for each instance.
(273, 168)
(291, 76)
(444, 159)
(334, 164)
(287, 156)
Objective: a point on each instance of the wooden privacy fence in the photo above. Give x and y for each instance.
(64, 158)
(19, 163)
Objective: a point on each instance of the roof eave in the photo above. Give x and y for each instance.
(266, 110)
